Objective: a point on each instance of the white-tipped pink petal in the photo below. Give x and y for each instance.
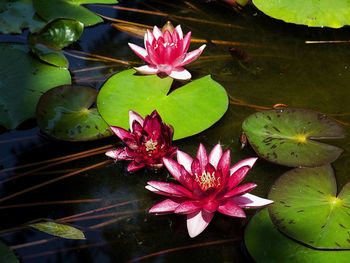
(202, 156)
(133, 116)
(191, 56)
(251, 201)
(148, 70)
(148, 37)
(246, 162)
(230, 208)
(173, 167)
(140, 52)
(166, 206)
(179, 31)
(170, 188)
(188, 207)
(156, 32)
(118, 154)
(180, 73)
(156, 191)
(121, 133)
(185, 160)
(197, 222)
(215, 155)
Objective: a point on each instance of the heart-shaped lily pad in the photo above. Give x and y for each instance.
(53, 37)
(17, 15)
(66, 113)
(189, 109)
(288, 136)
(70, 9)
(312, 13)
(268, 245)
(23, 80)
(306, 207)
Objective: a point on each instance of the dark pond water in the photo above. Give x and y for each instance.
(280, 67)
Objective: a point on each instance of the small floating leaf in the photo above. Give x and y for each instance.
(312, 13)
(18, 15)
(66, 113)
(24, 80)
(70, 9)
(189, 109)
(306, 207)
(288, 136)
(53, 37)
(7, 255)
(268, 245)
(59, 230)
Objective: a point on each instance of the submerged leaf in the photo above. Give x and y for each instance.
(56, 35)
(268, 245)
(70, 9)
(308, 209)
(288, 136)
(189, 109)
(17, 15)
(59, 230)
(312, 13)
(66, 113)
(24, 80)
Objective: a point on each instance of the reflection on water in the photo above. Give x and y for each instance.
(271, 63)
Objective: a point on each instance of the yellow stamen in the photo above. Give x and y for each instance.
(207, 180)
(151, 145)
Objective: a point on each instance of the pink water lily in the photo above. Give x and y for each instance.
(207, 184)
(148, 141)
(166, 52)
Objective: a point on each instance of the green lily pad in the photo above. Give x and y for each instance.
(312, 13)
(16, 15)
(24, 79)
(308, 209)
(59, 230)
(67, 113)
(288, 136)
(189, 109)
(268, 245)
(56, 35)
(70, 9)
(7, 255)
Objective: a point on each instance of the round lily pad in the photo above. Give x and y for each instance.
(290, 136)
(190, 109)
(18, 15)
(24, 79)
(312, 13)
(306, 207)
(268, 245)
(71, 9)
(67, 113)
(56, 35)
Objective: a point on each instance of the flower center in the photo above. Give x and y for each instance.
(150, 145)
(208, 180)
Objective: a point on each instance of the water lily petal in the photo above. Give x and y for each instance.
(185, 160)
(178, 29)
(166, 206)
(188, 207)
(148, 37)
(148, 70)
(134, 166)
(157, 33)
(156, 191)
(202, 156)
(224, 163)
(237, 177)
(180, 73)
(140, 52)
(170, 188)
(118, 154)
(134, 116)
(230, 208)
(186, 42)
(215, 155)
(251, 201)
(240, 190)
(246, 162)
(173, 167)
(197, 222)
(193, 55)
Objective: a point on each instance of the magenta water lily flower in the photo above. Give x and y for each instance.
(148, 141)
(207, 184)
(166, 52)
